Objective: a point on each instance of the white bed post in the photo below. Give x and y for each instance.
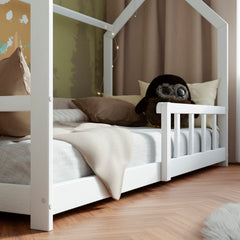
(41, 114)
(108, 64)
(222, 65)
(164, 109)
(222, 68)
(238, 86)
(119, 23)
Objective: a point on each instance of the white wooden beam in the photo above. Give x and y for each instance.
(78, 16)
(222, 100)
(165, 141)
(188, 163)
(191, 134)
(15, 103)
(81, 17)
(203, 132)
(125, 16)
(191, 108)
(41, 114)
(238, 85)
(108, 64)
(91, 189)
(211, 16)
(214, 132)
(222, 64)
(177, 123)
(15, 198)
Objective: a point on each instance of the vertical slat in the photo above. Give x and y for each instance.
(238, 85)
(166, 142)
(214, 131)
(176, 135)
(222, 99)
(191, 134)
(41, 114)
(203, 132)
(108, 63)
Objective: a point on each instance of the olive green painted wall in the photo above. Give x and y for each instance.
(78, 51)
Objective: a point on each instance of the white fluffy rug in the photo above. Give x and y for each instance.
(223, 224)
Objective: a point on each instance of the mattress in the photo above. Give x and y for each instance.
(68, 163)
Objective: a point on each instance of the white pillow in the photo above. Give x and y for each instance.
(204, 93)
(69, 115)
(201, 93)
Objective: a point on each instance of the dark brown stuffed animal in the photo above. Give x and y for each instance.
(164, 88)
(155, 119)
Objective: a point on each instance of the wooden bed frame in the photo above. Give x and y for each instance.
(42, 199)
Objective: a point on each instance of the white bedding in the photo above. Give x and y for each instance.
(68, 163)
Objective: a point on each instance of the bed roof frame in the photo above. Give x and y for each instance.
(113, 29)
(40, 102)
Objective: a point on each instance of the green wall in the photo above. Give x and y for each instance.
(78, 51)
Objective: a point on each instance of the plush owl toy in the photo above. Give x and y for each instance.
(164, 88)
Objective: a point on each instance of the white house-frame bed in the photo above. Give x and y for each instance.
(42, 199)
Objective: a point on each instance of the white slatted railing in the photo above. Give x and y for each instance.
(178, 109)
(166, 110)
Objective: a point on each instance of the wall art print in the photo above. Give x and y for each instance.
(14, 19)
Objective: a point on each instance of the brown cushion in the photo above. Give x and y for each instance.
(110, 111)
(63, 103)
(14, 80)
(134, 99)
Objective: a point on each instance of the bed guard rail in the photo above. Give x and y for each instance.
(167, 109)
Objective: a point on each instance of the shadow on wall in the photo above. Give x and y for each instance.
(78, 51)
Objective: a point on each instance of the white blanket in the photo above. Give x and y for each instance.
(106, 149)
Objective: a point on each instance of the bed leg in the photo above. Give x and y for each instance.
(42, 221)
(223, 164)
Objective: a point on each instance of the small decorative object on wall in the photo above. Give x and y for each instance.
(164, 88)
(14, 16)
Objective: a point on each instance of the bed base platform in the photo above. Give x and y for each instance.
(15, 198)
(90, 189)
(79, 192)
(190, 163)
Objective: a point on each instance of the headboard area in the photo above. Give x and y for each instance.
(63, 103)
(205, 11)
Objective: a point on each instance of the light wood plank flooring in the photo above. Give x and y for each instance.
(169, 211)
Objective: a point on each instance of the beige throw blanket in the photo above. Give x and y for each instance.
(106, 149)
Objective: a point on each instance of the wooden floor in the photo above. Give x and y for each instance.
(168, 211)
